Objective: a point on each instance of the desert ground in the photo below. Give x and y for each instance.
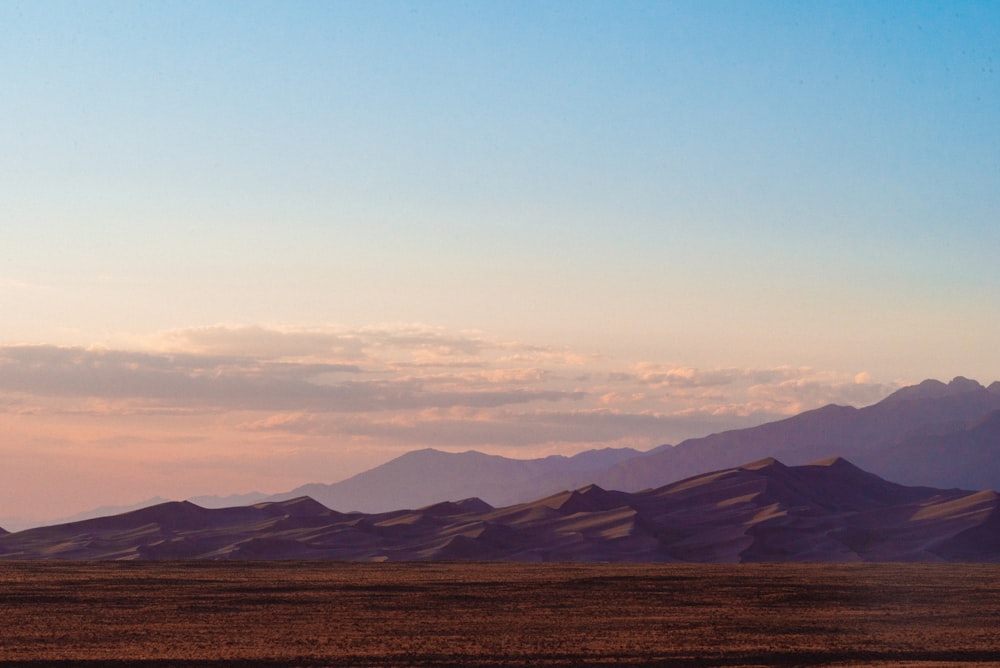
(459, 614)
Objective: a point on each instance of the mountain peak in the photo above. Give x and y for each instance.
(935, 389)
(963, 384)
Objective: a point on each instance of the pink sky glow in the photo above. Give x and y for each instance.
(220, 410)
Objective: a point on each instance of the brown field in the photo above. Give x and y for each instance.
(459, 614)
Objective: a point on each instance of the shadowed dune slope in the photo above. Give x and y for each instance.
(829, 510)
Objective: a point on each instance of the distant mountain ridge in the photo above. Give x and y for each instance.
(909, 437)
(875, 437)
(422, 477)
(212, 501)
(763, 511)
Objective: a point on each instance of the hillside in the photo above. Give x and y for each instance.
(882, 438)
(967, 456)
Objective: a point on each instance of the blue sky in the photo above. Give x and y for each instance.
(695, 185)
(574, 156)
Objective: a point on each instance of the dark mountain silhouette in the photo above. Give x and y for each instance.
(764, 511)
(427, 476)
(877, 437)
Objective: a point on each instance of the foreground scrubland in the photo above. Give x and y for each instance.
(444, 614)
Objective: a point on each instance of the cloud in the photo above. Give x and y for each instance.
(225, 377)
(233, 382)
(525, 354)
(506, 428)
(620, 398)
(656, 376)
(814, 390)
(260, 342)
(83, 372)
(674, 377)
(404, 385)
(295, 422)
(421, 343)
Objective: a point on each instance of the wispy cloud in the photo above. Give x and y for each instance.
(287, 377)
(243, 383)
(409, 342)
(583, 428)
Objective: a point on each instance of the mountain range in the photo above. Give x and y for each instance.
(909, 437)
(933, 434)
(423, 477)
(937, 434)
(763, 511)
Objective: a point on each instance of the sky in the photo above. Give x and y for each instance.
(248, 245)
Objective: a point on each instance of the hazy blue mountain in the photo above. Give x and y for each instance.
(427, 476)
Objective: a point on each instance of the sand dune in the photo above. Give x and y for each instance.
(829, 510)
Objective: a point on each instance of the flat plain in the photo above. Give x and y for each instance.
(197, 613)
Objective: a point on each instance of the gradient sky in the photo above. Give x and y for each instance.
(248, 245)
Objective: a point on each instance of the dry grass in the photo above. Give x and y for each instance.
(337, 614)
